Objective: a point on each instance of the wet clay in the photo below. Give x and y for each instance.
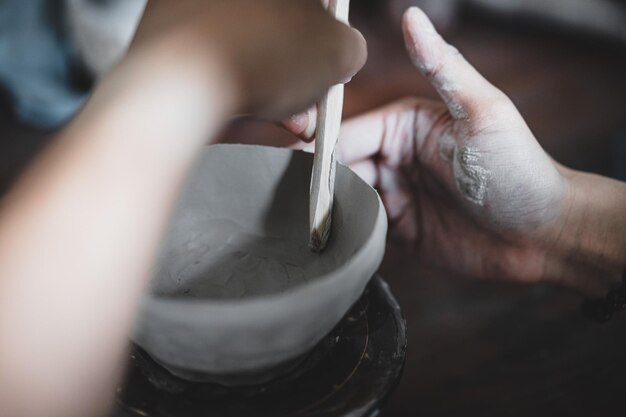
(226, 261)
(236, 291)
(242, 231)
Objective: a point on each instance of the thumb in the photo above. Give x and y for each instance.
(464, 90)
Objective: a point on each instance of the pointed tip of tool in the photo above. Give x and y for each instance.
(319, 236)
(315, 244)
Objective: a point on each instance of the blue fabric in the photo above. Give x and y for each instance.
(36, 63)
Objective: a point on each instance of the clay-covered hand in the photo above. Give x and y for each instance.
(277, 55)
(466, 182)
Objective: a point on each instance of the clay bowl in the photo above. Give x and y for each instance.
(236, 293)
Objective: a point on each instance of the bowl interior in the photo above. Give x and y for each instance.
(240, 229)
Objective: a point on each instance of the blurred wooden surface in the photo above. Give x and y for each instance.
(484, 348)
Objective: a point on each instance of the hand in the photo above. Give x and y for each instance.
(278, 55)
(466, 183)
(121, 161)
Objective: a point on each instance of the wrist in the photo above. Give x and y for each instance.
(589, 249)
(169, 93)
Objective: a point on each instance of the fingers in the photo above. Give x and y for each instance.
(288, 53)
(302, 125)
(359, 138)
(395, 194)
(367, 170)
(355, 59)
(346, 47)
(463, 89)
(333, 55)
(353, 56)
(394, 132)
(362, 137)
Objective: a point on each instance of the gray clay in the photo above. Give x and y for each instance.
(236, 289)
(227, 261)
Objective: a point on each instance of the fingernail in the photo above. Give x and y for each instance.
(311, 123)
(300, 120)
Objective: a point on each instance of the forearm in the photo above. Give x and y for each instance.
(592, 243)
(79, 231)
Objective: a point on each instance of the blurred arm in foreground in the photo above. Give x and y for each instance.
(80, 229)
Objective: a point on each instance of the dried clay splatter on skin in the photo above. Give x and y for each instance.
(447, 146)
(456, 110)
(471, 176)
(521, 193)
(424, 64)
(469, 170)
(444, 83)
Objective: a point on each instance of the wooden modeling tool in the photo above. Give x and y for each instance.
(323, 177)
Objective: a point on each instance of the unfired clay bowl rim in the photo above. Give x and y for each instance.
(250, 318)
(379, 228)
